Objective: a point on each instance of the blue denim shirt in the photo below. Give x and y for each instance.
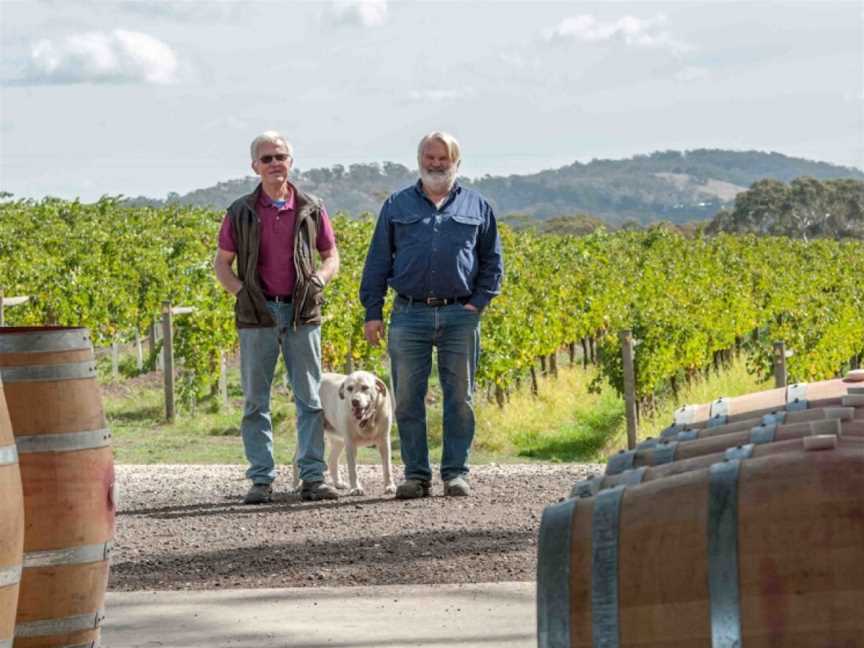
(422, 251)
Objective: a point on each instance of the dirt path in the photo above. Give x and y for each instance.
(182, 527)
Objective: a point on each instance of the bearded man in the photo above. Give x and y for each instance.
(436, 244)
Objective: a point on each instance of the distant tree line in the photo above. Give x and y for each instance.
(674, 186)
(805, 208)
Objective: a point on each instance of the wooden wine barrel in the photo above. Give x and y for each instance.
(667, 452)
(795, 397)
(591, 486)
(11, 526)
(767, 552)
(776, 416)
(67, 474)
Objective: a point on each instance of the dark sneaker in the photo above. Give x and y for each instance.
(457, 487)
(413, 488)
(314, 491)
(259, 494)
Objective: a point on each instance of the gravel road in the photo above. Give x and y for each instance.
(183, 527)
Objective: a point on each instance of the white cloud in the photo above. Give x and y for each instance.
(438, 95)
(632, 31)
(692, 73)
(362, 13)
(98, 57)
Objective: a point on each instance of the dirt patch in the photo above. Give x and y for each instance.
(183, 527)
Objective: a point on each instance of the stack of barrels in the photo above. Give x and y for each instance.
(741, 526)
(58, 494)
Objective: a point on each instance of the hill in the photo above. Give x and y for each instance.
(666, 185)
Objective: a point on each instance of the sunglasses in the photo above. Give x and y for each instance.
(279, 157)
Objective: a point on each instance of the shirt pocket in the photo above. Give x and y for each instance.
(409, 230)
(462, 229)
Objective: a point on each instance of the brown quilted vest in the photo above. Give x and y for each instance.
(250, 310)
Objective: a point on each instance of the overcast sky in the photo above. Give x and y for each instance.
(149, 97)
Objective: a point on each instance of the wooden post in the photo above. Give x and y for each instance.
(139, 347)
(115, 359)
(223, 378)
(629, 387)
(168, 360)
(151, 339)
(779, 364)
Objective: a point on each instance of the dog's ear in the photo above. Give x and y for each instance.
(342, 390)
(380, 386)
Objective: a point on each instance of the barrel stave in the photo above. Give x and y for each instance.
(799, 531)
(67, 473)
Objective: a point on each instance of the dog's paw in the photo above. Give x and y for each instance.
(357, 491)
(390, 489)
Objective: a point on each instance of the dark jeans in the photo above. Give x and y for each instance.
(455, 330)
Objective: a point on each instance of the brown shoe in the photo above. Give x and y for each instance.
(259, 494)
(413, 488)
(457, 487)
(315, 491)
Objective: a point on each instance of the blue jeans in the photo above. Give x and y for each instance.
(301, 350)
(414, 330)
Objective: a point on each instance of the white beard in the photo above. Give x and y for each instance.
(439, 182)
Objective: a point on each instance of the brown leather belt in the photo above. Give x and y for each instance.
(435, 301)
(279, 299)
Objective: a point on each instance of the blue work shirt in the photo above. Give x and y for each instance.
(423, 251)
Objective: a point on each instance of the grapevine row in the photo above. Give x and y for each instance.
(688, 301)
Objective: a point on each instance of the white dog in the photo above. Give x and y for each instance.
(357, 413)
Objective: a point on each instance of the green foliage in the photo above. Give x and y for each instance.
(688, 301)
(805, 208)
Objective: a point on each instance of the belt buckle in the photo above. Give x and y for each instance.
(436, 301)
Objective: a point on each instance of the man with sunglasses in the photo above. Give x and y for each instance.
(274, 234)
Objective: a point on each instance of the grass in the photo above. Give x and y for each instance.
(564, 423)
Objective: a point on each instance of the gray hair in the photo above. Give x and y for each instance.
(446, 139)
(270, 137)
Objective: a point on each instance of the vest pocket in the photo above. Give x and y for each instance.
(247, 314)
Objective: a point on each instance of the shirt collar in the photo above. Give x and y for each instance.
(455, 189)
(265, 201)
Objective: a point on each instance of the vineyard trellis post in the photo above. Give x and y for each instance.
(168, 313)
(115, 359)
(168, 355)
(223, 378)
(629, 387)
(779, 364)
(139, 350)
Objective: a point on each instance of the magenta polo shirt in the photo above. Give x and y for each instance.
(276, 253)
